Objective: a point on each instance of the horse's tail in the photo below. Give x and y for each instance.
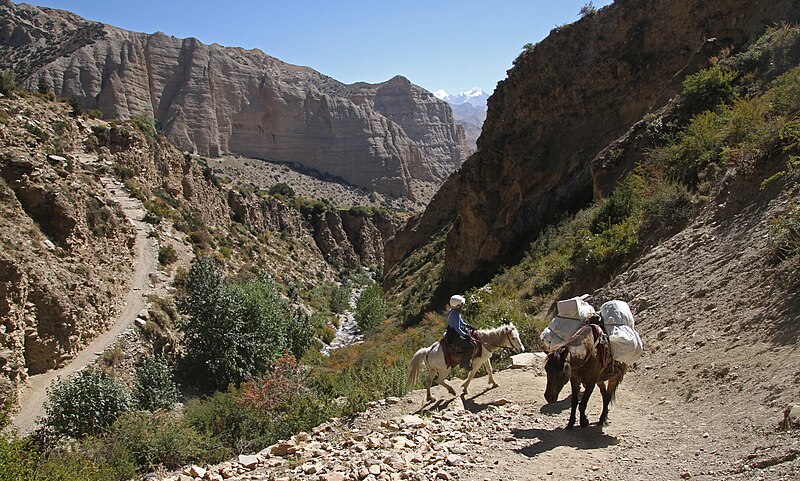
(621, 369)
(416, 363)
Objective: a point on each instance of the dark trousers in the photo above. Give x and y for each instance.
(463, 346)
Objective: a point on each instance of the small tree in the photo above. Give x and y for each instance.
(7, 82)
(587, 9)
(154, 387)
(370, 308)
(84, 404)
(340, 299)
(42, 87)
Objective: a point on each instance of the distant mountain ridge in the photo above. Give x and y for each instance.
(469, 110)
(393, 137)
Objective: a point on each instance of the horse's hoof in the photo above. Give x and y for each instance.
(494, 385)
(570, 426)
(584, 423)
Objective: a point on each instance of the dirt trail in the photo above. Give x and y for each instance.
(648, 437)
(145, 264)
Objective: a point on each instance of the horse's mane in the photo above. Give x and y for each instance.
(491, 335)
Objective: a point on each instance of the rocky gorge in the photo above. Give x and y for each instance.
(564, 101)
(68, 250)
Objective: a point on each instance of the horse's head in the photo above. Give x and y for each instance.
(558, 373)
(513, 337)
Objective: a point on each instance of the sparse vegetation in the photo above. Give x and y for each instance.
(370, 308)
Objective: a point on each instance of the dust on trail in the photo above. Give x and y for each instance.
(653, 438)
(32, 399)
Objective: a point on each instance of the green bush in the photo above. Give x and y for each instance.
(784, 233)
(83, 404)
(708, 88)
(7, 82)
(340, 300)
(147, 124)
(150, 440)
(167, 255)
(18, 459)
(370, 308)
(233, 331)
(154, 388)
(282, 189)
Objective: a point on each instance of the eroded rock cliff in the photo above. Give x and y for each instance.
(211, 100)
(564, 100)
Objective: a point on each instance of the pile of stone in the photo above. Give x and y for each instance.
(410, 447)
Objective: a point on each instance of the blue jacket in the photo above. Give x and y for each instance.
(456, 322)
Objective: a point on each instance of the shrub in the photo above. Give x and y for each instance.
(167, 255)
(340, 300)
(587, 9)
(147, 124)
(18, 459)
(76, 105)
(706, 89)
(283, 189)
(7, 83)
(83, 404)
(235, 331)
(150, 440)
(276, 389)
(370, 308)
(154, 388)
(784, 233)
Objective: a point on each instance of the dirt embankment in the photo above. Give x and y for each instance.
(145, 267)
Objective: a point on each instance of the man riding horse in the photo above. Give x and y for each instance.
(458, 336)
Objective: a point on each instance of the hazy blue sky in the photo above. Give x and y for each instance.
(449, 44)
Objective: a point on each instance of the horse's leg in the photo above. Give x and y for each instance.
(431, 374)
(576, 389)
(608, 396)
(475, 366)
(441, 381)
(489, 370)
(606, 401)
(584, 401)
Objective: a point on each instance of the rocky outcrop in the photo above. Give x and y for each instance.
(66, 256)
(211, 100)
(564, 100)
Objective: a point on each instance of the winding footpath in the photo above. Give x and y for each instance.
(32, 399)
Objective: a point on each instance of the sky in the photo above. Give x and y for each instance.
(453, 45)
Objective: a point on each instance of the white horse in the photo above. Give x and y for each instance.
(433, 358)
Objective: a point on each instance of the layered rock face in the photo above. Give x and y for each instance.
(211, 100)
(566, 99)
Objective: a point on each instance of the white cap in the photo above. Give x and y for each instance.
(457, 300)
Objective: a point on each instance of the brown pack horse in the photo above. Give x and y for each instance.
(584, 359)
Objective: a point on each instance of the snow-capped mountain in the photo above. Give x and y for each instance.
(475, 97)
(469, 110)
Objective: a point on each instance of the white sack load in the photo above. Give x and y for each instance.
(575, 308)
(626, 345)
(617, 313)
(559, 330)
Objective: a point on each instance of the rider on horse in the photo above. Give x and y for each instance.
(458, 332)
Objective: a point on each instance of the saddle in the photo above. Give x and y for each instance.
(453, 352)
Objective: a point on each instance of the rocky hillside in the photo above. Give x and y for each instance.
(67, 255)
(564, 100)
(393, 137)
(66, 259)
